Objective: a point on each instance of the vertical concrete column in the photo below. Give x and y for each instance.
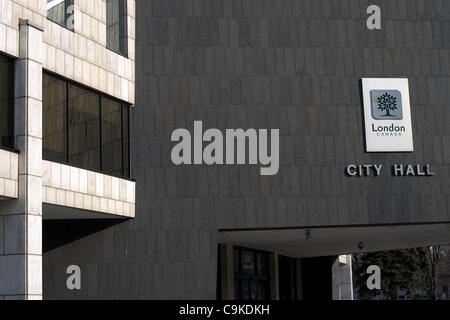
(21, 264)
(335, 278)
(274, 276)
(299, 279)
(346, 287)
(342, 278)
(226, 271)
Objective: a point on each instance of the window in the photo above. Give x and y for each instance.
(6, 92)
(287, 278)
(251, 274)
(54, 122)
(61, 12)
(126, 140)
(116, 26)
(84, 128)
(112, 136)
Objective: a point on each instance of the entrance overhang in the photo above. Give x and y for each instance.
(305, 242)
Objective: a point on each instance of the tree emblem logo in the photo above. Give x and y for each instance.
(386, 105)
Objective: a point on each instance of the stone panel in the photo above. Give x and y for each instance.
(72, 187)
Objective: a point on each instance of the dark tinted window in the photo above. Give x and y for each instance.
(84, 128)
(116, 25)
(112, 137)
(287, 278)
(251, 274)
(248, 261)
(54, 120)
(61, 12)
(126, 139)
(6, 89)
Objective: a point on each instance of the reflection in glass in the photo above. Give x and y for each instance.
(6, 88)
(111, 137)
(60, 11)
(116, 25)
(245, 290)
(54, 119)
(251, 274)
(84, 129)
(248, 261)
(126, 140)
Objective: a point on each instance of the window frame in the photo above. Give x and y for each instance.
(126, 171)
(123, 5)
(122, 107)
(98, 98)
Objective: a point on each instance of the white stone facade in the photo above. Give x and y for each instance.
(80, 55)
(86, 190)
(9, 174)
(26, 181)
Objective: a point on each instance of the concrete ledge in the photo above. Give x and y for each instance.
(72, 187)
(27, 22)
(9, 175)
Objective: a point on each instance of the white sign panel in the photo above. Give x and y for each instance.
(387, 115)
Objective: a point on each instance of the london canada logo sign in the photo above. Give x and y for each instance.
(388, 128)
(387, 105)
(387, 115)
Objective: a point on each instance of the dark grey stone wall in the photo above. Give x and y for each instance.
(288, 64)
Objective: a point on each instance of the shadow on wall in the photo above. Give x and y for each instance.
(57, 233)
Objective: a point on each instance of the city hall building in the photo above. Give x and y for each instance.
(218, 149)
